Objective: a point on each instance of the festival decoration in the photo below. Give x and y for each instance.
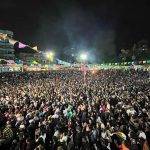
(12, 41)
(21, 45)
(35, 48)
(35, 62)
(3, 36)
(51, 58)
(19, 62)
(55, 59)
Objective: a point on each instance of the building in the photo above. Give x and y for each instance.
(6, 49)
(143, 45)
(26, 56)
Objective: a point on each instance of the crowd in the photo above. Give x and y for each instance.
(57, 110)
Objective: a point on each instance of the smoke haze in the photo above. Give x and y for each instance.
(76, 30)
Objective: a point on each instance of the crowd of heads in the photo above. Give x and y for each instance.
(58, 110)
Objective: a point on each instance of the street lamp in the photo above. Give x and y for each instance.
(83, 57)
(48, 54)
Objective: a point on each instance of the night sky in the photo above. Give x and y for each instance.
(100, 27)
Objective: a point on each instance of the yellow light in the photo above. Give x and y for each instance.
(93, 71)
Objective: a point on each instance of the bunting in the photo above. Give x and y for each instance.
(21, 45)
(51, 58)
(35, 62)
(59, 62)
(12, 41)
(35, 48)
(55, 59)
(3, 36)
(19, 62)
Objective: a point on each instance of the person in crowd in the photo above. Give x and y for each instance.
(58, 110)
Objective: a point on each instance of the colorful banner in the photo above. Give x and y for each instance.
(21, 45)
(19, 62)
(12, 41)
(35, 48)
(51, 58)
(3, 36)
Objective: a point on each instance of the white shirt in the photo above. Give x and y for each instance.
(142, 135)
(43, 137)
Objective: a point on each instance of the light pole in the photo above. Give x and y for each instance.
(49, 55)
(83, 58)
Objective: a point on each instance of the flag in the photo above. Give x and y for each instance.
(3, 36)
(58, 61)
(51, 58)
(35, 48)
(55, 59)
(35, 62)
(19, 62)
(21, 45)
(12, 41)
